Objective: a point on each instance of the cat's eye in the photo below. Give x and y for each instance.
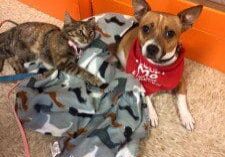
(91, 33)
(170, 34)
(81, 32)
(70, 33)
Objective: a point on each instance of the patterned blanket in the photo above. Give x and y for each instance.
(89, 121)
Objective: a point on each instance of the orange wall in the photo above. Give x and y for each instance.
(79, 9)
(204, 43)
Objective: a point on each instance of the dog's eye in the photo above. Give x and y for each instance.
(170, 34)
(146, 29)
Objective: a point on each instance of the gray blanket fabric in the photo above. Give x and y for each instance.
(90, 121)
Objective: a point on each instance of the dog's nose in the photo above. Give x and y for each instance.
(152, 50)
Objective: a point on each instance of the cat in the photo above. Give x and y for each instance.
(53, 47)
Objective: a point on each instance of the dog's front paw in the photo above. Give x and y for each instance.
(153, 118)
(187, 120)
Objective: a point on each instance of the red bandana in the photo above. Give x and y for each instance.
(154, 78)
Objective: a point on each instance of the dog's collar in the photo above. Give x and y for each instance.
(168, 59)
(154, 77)
(179, 48)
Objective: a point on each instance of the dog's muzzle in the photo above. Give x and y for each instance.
(152, 51)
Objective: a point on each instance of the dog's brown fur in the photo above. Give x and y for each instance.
(165, 29)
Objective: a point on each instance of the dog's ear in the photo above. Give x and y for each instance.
(140, 7)
(68, 19)
(189, 16)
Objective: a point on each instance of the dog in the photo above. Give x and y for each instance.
(152, 53)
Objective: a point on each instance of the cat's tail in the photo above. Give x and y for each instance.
(5, 42)
(10, 21)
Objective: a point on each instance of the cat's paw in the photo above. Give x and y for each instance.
(103, 86)
(94, 81)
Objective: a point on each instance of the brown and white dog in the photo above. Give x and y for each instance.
(158, 36)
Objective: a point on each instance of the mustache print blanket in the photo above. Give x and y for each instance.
(89, 121)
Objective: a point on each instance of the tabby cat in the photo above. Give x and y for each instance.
(54, 47)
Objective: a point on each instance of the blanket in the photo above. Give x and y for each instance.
(90, 121)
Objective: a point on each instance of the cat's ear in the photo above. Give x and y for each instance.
(68, 19)
(91, 21)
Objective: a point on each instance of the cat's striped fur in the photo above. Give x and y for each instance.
(49, 44)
